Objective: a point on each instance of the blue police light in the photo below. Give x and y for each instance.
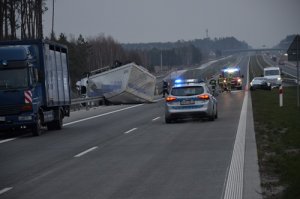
(230, 70)
(178, 81)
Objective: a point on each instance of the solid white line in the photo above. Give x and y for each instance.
(130, 130)
(5, 190)
(156, 118)
(101, 115)
(7, 140)
(235, 178)
(85, 152)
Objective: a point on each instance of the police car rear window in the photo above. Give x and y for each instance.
(187, 91)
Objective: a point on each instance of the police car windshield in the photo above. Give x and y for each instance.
(187, 91)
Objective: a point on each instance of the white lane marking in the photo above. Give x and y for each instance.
(235, 178)
(7, 140)
(5, 190)
(130, 130)
(101, 115)
(155, 118)
(85, 152)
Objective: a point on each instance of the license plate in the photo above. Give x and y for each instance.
(2, 119)
(187, 102)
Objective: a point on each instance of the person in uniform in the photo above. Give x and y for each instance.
(221, 82)
(165, 88)
(213, 84)
(228, 81)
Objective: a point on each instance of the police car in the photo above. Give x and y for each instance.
(190, 99)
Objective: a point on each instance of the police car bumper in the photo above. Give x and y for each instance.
(192, 111)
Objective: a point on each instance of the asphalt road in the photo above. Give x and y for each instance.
(125, 151)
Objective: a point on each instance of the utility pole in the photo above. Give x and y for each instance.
(52, 32)
(161, 60)
(207, 33)
(298, 95)
(293, 55)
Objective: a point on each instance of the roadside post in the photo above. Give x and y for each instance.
(280, 96)
(293, 55)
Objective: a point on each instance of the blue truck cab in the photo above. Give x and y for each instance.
(34, 85)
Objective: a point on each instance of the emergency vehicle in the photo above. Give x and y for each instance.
(233, 73)
(190, 98)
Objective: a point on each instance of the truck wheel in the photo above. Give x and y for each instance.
(56, 124)
(37, 127)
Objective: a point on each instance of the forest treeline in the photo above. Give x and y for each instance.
(87, 54)
(21, 19)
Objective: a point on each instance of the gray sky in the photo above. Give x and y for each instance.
(258, 22)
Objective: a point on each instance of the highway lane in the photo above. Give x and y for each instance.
(130, 153)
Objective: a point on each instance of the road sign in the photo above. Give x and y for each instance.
(294, 49)
(294, 55)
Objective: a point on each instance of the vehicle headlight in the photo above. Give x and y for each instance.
(278, 78)
(25, 118)
(251, 83)
(239, 80)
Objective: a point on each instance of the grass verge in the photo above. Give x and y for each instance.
(278, 141)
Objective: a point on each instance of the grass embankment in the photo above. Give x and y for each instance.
(278, 140)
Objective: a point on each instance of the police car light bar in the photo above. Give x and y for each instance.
(231, 70)
(187, 81)
(178, 81)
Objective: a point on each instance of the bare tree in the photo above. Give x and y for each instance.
(21, 17)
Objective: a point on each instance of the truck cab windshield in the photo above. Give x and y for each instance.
(16, 78)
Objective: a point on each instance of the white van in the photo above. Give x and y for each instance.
(273, 74)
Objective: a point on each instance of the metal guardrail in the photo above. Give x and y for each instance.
(78, 103)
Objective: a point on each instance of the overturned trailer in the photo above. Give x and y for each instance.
(126, 84)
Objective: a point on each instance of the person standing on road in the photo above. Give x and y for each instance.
(213, 84)
(228, 81)
(221, 82)
(165, 88)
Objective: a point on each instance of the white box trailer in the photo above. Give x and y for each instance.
(126, 84)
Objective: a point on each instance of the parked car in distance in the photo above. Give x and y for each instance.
(260, 83)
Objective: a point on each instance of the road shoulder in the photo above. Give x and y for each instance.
(252, 188)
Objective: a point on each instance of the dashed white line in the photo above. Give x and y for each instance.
(85, 152)
(101, 115)
(7, 140)
(156, 118)
(5, 190)
(130, 130)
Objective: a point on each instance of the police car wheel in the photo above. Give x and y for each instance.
(37, 127)
(168, 120)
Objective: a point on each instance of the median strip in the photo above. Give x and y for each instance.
(85, 152)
